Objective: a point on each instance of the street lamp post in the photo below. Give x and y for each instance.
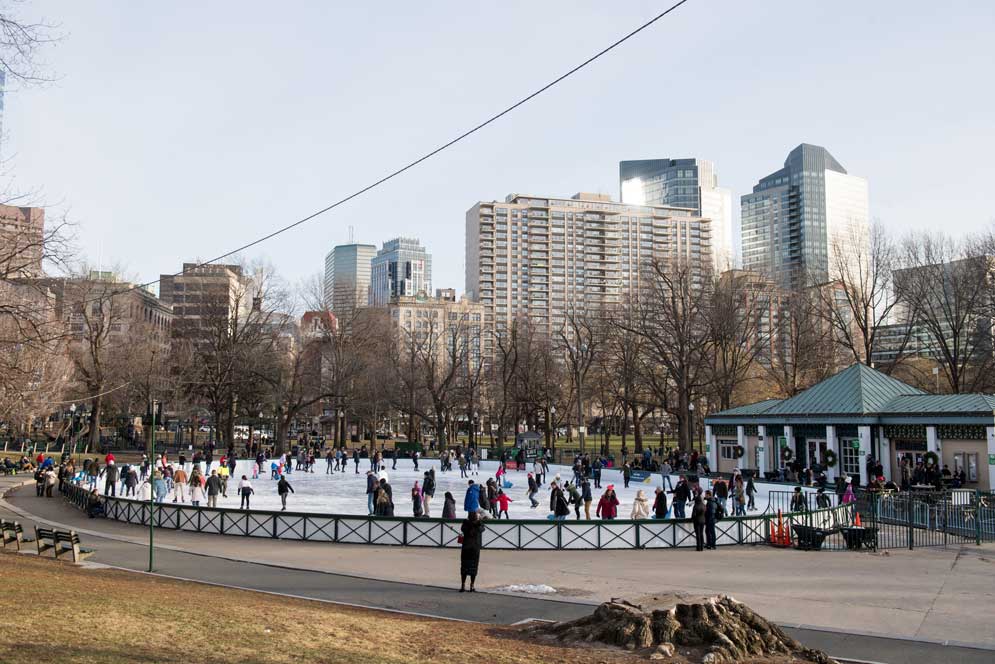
(152, 488)
(691, 424)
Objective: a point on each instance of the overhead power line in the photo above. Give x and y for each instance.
(426, 156)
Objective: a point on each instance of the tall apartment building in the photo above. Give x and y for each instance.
(201, 294)
(22, 235)
(546, 257)
(401, 268)
(798, 216)
(347, 278)
(684, 183)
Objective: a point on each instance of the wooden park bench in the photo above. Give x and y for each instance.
(12, 533)
(60, 542)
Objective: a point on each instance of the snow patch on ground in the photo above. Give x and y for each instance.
(528, 588)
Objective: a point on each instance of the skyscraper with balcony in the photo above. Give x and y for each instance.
(686, 183)
(401, 268)
(545, 258)
(801, 220)
(347, 278)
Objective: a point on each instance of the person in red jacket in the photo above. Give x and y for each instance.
(503, 502)
(608, 505)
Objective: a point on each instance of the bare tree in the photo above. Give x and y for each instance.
(501, 385)
(741, 320)
(802, 352)
(863, 298)
(580, 341)
(948, 289)
(622, 371)
(673, 321)
(20, 44)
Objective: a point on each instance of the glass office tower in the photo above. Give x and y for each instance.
(401, 268)
(683, 183)
(798, 217)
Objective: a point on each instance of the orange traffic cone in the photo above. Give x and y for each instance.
(780, 537)
(856, 521)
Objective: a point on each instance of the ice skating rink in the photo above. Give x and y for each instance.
(345, 493)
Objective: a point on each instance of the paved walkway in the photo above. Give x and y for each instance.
(925, 595)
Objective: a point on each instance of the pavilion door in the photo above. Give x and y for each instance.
(816, 453)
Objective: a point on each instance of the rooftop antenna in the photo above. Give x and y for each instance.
(351, 240)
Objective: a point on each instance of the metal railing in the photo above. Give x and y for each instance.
(431, 532)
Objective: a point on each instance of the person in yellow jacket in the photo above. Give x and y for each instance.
(224, 474)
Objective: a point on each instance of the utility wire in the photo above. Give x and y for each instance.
(424, 157)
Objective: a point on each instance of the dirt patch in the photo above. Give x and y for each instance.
(97, 616)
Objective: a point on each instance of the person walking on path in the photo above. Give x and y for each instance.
(471, 538)
(698, 520)
(608, 505)
(283, 488)
(416, 500)
(713, 511)
(428, 491)
(640, 506)
(448, 506)
(245, 490)
(213, 488)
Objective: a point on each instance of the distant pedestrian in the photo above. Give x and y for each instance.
(448, 506)
(698, 520)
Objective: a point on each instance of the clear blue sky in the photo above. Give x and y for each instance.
(178, 130)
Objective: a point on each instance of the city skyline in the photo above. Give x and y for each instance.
(181, 175)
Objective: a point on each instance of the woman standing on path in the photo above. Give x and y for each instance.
(472, 530)
(698, 519)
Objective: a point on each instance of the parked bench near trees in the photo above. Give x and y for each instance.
(61, 542)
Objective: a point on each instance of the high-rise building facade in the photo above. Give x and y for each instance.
(546, 258)
(799, 216)
(22, 240)
(202, 296)
(684, 183)
(401, 268)
(347, 278)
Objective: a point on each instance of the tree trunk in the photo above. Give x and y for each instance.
(98, 407)
(637, 430)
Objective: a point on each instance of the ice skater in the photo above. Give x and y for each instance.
(283, 488)
(245, 490)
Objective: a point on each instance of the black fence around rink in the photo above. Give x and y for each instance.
(887, 520)
(428, 532)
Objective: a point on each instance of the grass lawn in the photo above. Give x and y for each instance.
(57, 612)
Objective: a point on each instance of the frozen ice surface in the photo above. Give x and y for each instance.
(345, 493)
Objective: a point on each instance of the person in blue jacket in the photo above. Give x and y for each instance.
(471, 503)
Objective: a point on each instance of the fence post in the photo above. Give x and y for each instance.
(909, 508)
(977, 517)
